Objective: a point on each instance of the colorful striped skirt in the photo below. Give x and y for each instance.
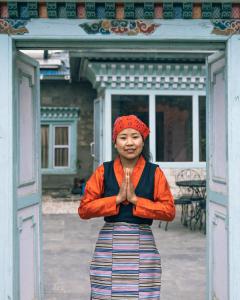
(126, 263)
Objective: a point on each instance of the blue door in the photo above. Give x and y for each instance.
(27, 178)
(223, 164)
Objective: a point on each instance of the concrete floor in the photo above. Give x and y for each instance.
(68, 244)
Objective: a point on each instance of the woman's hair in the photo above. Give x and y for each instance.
(146, 153)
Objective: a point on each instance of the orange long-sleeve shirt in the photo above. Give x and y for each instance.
(94, 205)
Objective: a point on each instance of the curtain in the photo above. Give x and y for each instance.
(44, 145)
(61, 146)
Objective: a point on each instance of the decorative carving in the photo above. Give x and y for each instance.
(129, 10)
(52, 9)
(148, 10)
(59, 113)
(168, 12)
(124, 27)
(9, 26)
(90, 10)
(145, 76)
(187, 10)
(182, 9)
(226, 27)
(207, 10)
(71, 10)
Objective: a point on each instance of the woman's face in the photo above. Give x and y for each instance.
(129, 143)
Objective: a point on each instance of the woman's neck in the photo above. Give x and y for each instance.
(128, 163)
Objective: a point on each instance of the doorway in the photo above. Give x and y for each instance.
(223, 208)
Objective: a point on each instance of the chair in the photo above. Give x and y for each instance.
(185, 196)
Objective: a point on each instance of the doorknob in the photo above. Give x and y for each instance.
(92, 149)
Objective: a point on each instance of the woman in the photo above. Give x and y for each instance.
(129, 193)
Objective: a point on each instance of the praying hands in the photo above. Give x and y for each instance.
(127, 190)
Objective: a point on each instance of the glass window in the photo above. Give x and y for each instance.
(61, 147)
(131, 104)
(174, 128)
(202, 128)
(44, 145)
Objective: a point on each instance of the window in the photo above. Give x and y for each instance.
(59, 140)
(174, 128)
(202, 128)
(180, 128)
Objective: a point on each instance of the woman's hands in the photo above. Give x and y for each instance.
(127, 191)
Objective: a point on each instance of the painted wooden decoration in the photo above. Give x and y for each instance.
(168, 12)
(129, 10)
(71, 10)
(81, 12)
(32, 9)
(236, 11)
(8, 26)
(148, 10)
(124, 27)
(52, 9)
(158, 11)
(197, 11)
(110, 10)
(206, 10)
(90, 10)
(13, 10)
(3, 10)
(43, 10)
(226, 27)
(187, 10)
(226, 11)
(119, 11)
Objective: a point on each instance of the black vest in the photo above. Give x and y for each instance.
(144, 189)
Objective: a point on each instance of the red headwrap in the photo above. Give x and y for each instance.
(130, 121)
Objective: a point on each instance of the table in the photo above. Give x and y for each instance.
(197, 196)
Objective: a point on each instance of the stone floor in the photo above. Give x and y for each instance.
(68, 244)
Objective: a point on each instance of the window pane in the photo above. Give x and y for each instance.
(130, 104)
(61, 135)
(44, 145)
(61, 157)
(174, 128)
(202, 128)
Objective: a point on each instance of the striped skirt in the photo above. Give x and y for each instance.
(126, 263)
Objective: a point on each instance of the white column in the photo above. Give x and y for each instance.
(108, 126)
(195, 133)
(152, 125)
(6, 169)
(233, 125)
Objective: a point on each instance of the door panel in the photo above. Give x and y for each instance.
(98, 132)
(217, 174)
(218, 130)
(28, 185)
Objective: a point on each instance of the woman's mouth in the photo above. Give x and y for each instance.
(130, 150)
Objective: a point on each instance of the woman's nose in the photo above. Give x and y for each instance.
(129, 141)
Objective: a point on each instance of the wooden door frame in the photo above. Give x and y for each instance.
(176, 44)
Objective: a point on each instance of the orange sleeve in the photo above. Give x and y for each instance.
(93, 204)
(162, 208)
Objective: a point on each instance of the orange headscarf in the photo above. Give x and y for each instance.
(130, 121)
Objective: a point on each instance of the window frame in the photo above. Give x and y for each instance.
(152, 122)
(72, 157)
(68, 146)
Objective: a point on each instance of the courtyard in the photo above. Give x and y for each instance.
(68, 244)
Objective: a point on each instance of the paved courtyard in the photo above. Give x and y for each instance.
(68, 244)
